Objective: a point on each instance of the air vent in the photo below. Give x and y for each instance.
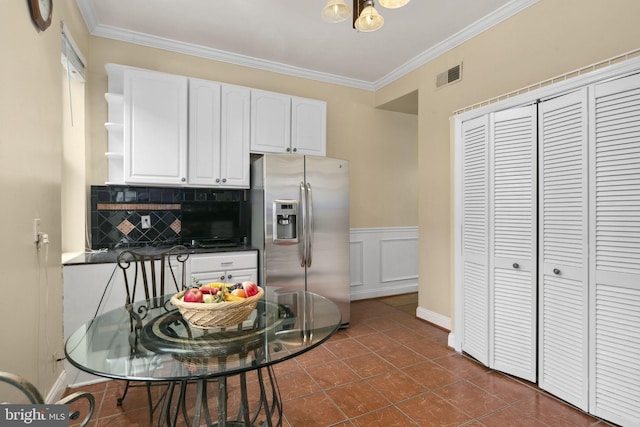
(451, 75)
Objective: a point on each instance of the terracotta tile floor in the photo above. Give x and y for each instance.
(387, 369)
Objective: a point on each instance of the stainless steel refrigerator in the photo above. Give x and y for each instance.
(300, 224)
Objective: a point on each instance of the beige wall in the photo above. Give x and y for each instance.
(548, 39)
(30, 181)
(380, 145)
(74, 181)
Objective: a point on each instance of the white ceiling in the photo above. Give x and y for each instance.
(289, 36)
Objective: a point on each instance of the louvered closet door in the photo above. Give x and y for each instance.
(563, 216)
(615, 251)
(475, 238)
(513, 237)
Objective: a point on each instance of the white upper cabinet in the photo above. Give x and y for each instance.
(270, 122)
(285, 124)
(155, 128)
(166, 129)
(204, 132)
(308, 126)
(218, 134)
(235, 136)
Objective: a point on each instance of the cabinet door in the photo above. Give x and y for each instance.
(270, 122)
(308, 126)
(236, 138)
(563, 306)
(204, 132)
(512, 243)
(475, 236)
(155, 122)
(614, 279)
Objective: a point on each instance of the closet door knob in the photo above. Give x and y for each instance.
(556, 271)
(516, 265)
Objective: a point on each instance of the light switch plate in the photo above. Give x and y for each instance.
(36, 230)
(145, 221)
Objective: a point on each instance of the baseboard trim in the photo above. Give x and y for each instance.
(451, 341)
(57, 390)
(433, 317)
(382, 292)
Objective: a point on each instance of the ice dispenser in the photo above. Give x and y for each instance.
(285, 215)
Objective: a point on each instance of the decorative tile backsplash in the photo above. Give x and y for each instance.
(116, 213)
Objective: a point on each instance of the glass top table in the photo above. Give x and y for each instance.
(156, 344)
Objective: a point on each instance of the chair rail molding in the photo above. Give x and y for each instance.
(384, 261)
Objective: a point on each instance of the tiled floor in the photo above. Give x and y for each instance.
(387, 369)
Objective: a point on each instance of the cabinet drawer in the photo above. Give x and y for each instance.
(223, 262)
(229, 276)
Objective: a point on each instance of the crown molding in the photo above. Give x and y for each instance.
(224, 56)
(494, 18)
(499, 15)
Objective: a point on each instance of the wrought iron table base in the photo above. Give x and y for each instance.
(269, 404)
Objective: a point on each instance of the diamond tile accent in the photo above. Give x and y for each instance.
(176, 226)
(126, 227)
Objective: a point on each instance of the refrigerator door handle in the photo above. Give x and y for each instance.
(303, 207)
(309, 231)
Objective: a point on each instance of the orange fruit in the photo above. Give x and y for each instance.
(239, 293)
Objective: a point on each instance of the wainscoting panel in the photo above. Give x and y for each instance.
(384, 261)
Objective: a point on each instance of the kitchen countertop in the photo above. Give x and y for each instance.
(111, 255)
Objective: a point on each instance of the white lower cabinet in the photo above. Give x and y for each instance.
(89, 290)
(231, 267)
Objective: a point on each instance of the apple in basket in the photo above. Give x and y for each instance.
(193, 295)
(250, 288)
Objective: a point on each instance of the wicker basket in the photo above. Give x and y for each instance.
(216, 314)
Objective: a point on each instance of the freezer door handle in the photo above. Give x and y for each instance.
(309, 231)
(303, 202)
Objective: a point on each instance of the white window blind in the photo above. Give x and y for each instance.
(72, 59)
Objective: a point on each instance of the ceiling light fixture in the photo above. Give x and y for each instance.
(393, 4)
(369, 19)
(336, 11)
(365, 16)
